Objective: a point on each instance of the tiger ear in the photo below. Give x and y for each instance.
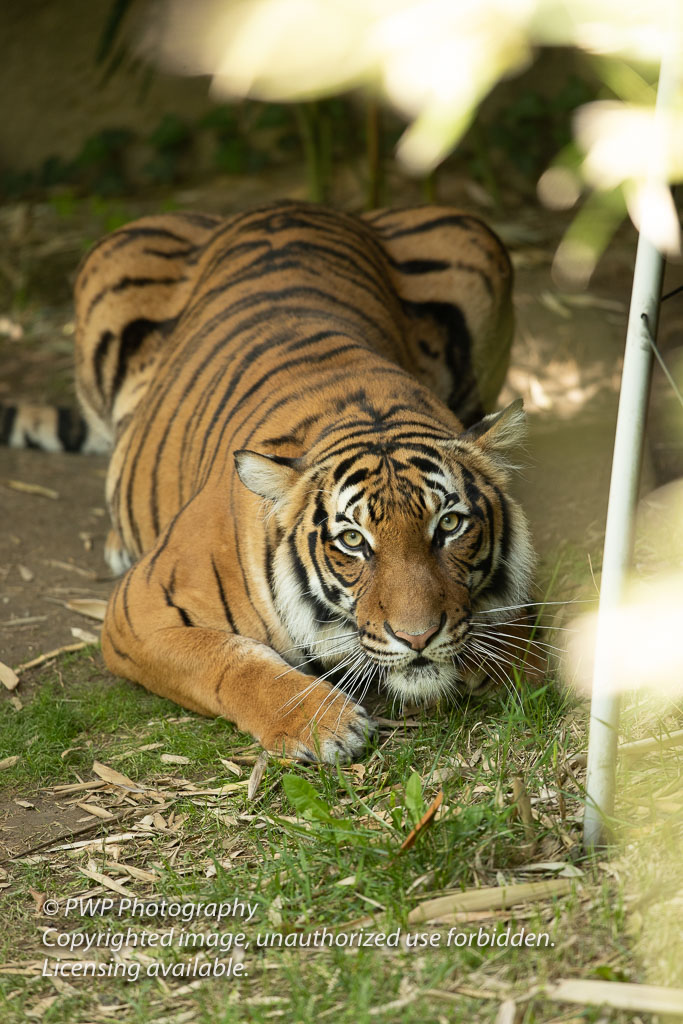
(500, 433)
(271, 476)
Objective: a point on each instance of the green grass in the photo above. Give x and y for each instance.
(95, 717)
(320, 848)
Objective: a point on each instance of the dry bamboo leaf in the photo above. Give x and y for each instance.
(107, 882)
(42, 658)
(554, 304)
(27, 969)
(257, 774)
(521, 800)
(475, 916)
(9, 762)
(83, 844)
(174, 759)
(507, 1012)
(26, 620)
(74, 787)
(25, 573)
(39, 898)
(227, 819)
(85, 635)
(494, 897)
(92, 608)
(442, 775)
(8, 677)
(395, 1004)
(43, 492)
(231, 766)
(113, 777)
(56, 563)
(639, 747)
(70, 750)
(25, 803)
(144, 876)
(560, 868)
(95, 809)
(40, 1008)
(424, 821)
(159, 821)
(618, 995)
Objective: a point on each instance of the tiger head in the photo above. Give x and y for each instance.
(394, 552)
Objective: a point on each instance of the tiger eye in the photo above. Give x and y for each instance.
(352, 538)
(449, 522)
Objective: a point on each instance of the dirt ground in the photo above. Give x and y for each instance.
(566, 364)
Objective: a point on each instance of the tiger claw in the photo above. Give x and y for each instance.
(323, 745)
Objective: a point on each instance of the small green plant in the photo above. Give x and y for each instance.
(171, 142)
(100, 166)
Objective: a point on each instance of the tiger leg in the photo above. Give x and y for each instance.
(218, 673)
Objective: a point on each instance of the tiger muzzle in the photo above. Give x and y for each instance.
(416, 641)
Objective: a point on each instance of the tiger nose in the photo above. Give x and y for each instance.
(416, 641)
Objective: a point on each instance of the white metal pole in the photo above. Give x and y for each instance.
(623, 493)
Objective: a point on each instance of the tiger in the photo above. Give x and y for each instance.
(308, 491)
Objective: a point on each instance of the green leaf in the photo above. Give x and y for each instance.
(304, 799)
(306, 802)
(413, 799)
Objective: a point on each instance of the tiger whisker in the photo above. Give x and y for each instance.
(496, 668)
(491, 654)
(301, 695)
(531, 604)
(522, 644)
(523, 625)
(334, 693)
(363, 679)
(308, 661)
(316, 643)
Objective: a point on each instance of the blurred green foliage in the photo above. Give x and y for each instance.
(248, 137)
(534, 127)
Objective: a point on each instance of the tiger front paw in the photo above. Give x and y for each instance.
(333, 737)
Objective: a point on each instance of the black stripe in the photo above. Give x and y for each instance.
(127, 234)
(445, 220)
(168, 594)
(99, 356)
(118, 652)
(132, 337)
(221, 594)
(8, 414)
(129, 282)
(419, 266)
(174, 254)
(424, 465)
(124, 601)
(71, 429)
